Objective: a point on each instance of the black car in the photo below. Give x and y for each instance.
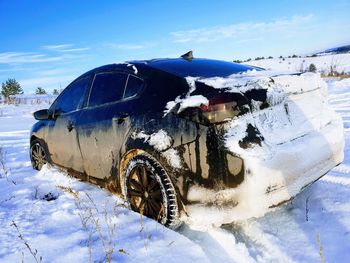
(144, 131)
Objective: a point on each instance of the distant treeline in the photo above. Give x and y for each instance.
(12, 92)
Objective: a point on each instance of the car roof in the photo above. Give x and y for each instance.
(196, 67)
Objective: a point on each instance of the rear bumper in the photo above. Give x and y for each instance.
(275, 175)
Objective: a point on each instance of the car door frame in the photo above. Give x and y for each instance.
(62, 135)
(99, 154)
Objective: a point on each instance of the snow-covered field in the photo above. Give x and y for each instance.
(50, 216)
(338, 62)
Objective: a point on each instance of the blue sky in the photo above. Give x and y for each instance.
(49, 43)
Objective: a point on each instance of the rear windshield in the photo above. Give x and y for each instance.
(199, 67)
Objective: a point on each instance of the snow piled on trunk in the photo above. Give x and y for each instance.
(298, 139)
(278, 84)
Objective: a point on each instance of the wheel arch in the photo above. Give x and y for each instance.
(128, 155)
(33, 137)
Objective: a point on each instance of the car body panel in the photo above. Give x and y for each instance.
(102, 132)
(61, 130)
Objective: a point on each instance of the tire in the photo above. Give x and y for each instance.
(149, 190)
(38, 155)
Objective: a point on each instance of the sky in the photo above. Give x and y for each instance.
(49, 43)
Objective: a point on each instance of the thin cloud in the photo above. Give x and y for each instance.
(64, 48)
(127, 46)
(238, 30)
(57, 47)
(75, 49)
(26, 57)
(54, 71)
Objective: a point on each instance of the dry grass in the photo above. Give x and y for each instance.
(4, 171)
(333, 75)
(32, 251)
(90, 216)
(307, 208)
(321, 250)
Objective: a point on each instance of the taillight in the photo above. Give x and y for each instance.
(219, 110)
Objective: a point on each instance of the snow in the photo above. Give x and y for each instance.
(313, 227)
(189, 100)
(191, 81)
(338, 62)
(134, 68)
(193, 101)
(173, 158)
(160, 140)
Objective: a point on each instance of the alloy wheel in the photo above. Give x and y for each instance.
(144, 192)
(38, 156)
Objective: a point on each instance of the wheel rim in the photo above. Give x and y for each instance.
(38, 156)
(144, 193)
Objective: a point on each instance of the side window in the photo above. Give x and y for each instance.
(133, 87)
(72, 97)
(107, 87)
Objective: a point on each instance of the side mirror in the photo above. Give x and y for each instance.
(41, 115)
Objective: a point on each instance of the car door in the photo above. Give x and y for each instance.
(62, 139)
(106, 121)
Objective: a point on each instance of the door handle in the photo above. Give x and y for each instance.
(70, 126)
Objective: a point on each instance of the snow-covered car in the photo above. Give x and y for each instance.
(192, 139)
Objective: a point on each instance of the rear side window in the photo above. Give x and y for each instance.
(72, 97)
(133, 87)
(107, 87)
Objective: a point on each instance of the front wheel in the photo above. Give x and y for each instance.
(150, 191)
(38, 155)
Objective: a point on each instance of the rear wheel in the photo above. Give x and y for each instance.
(150, 191)
(38, 154)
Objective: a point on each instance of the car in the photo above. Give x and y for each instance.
(191, 139)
